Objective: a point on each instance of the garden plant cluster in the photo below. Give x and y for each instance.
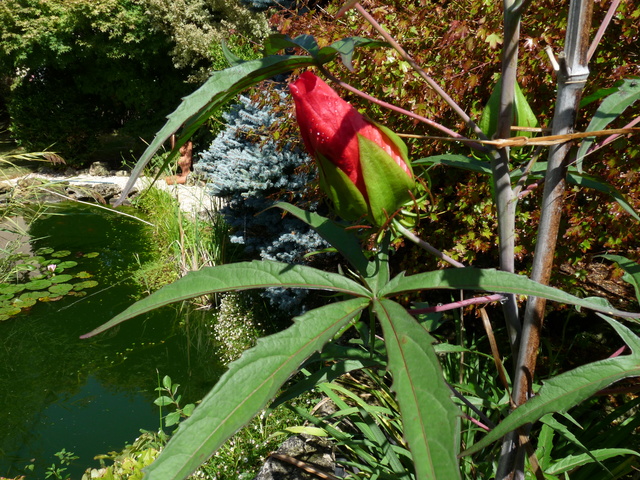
(438, 184)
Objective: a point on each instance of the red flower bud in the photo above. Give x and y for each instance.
(334, 131)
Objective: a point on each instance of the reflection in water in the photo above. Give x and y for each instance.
(91, 396)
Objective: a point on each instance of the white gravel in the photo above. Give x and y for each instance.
(192, 198)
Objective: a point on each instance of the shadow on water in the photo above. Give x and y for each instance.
(92, 396)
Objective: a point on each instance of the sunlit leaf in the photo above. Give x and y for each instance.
(343, 240)
(610, 109)
(631, 270)
(247, 386)
(11, 289)
(429, 416)
(560, 393)
(61, 278)
(86, 284)
(197, 107)
(491, 280)
(37, 284)
(67, 264)
(573, 461)
(238, 276)
(61, 289)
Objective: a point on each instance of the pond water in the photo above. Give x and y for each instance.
(92, 396)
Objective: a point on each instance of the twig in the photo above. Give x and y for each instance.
(408, 113)
(496, 297)
(430, 81)
(303, 466)
(427, 246)
(603, 26)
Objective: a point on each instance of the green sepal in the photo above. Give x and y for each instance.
(399, 143)
(388, 185)
(347, 200)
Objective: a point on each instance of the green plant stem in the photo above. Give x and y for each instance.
(505, 196)
(427, 246)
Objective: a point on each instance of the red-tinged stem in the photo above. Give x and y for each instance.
(487, 421)
(603, 27)
(496, 297)
(430, 81)
(401, 110)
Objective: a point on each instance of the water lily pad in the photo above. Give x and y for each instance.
(38, 259)
(91, 255)
(61, 253)
(67, 264)
(83, 275)
(9, 311)
(11, 289)
(44, 251)
(62, 289)
(24, 302)
(61, 278)
(5, 297)
(33, 295)
(37, 284)
(86, 284)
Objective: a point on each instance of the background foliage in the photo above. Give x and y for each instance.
(77, 72)
(462, 53)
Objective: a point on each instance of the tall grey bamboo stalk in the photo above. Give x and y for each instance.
(571, 79)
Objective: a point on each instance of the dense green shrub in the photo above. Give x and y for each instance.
(80, 71)
(461, 54)
(83, 69)
(197, 28)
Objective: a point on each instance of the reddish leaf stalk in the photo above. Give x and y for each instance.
(496, 297)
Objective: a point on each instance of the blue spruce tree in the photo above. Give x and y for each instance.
(248, 169)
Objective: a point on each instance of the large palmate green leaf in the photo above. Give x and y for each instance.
(491, 280)
(566, 390)
(247, 386)
(610, 109)
(238, 276)
(430, 419)
(197, 107)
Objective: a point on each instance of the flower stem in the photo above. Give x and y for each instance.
(427, 246)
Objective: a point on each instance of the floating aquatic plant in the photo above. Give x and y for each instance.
(43, 277)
